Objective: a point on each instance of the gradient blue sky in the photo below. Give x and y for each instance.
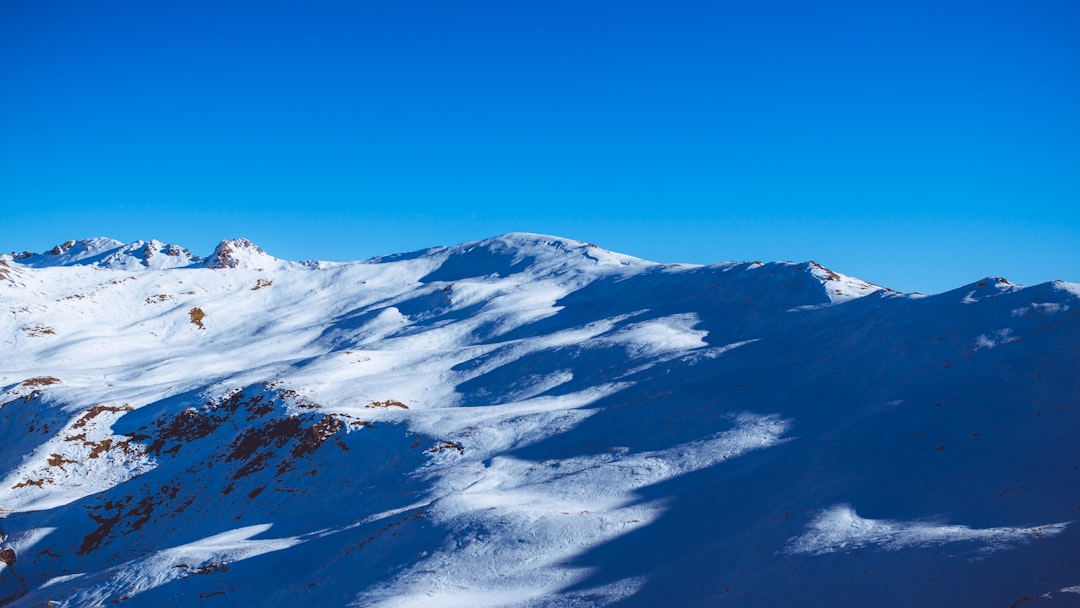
(920, 145)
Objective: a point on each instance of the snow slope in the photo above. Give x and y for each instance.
(528, 421)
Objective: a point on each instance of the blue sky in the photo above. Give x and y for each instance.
(920, 145)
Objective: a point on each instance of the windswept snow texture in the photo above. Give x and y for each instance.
(528, 421)
(841, 529)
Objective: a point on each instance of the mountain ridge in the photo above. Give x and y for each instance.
(109, 253)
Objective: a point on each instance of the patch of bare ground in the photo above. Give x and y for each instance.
(249, 446)
(186, 426)
(58, 461)
(97, 448)
(193, 424)
(96, 411)
(294, 396)
(447, 445)
(105, 524)
(158, 298)
(40, 381)
(37, 483)
(386, 404)
(196, 316)
(269, 438)
(316, 434)
(38, 330)
(127, 515)
(260, 283)
(8, 556)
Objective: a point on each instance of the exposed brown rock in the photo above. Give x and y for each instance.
(197, 315)
(388, 403)
(96, 411)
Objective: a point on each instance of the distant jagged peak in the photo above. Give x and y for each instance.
(110, 253)
(149, 254)
(93, 245)
(70, 253)
(241, 253)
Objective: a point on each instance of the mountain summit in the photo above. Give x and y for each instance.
(240, 253)
(528, 420)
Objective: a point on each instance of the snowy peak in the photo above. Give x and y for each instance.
(998, 283)
(545, 247)
(540, 254)
(241, 253)
(984, 288)
(70, 253)
(149, 254)
(111, 254)
(515, 253)
(840, 287)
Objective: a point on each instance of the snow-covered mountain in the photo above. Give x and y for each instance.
(528, 421)
(114, 255)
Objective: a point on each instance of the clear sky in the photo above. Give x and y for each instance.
(919, 145)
